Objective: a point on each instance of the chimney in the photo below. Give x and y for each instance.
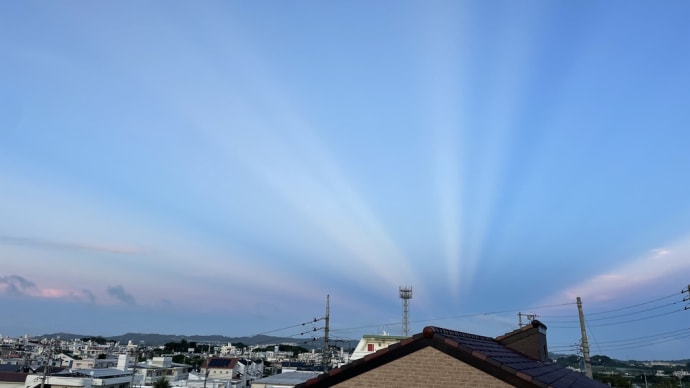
(529, 340)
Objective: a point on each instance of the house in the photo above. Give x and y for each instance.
(88, 363)
(439, 357)
(371, 343)
(222, 368)
(250, 370)
(284, 380)
(146, 373)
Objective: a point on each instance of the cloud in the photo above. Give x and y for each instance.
(48, 244)
(654, 266)
(17, 285)
(118, 292)
(89, 295)
(84, 295)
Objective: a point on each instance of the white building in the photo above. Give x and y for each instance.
(82, 378)
(147, 373)
(371, 343)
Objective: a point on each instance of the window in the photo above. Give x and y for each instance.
(370, 347)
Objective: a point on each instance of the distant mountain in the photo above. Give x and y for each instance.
(162, 339)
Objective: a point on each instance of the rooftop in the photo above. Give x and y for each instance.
(484, 353)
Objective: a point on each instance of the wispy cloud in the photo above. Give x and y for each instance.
(20, 286)
(654, 266)
(118, 292)
(17, 285)
(84, 295)
(49, 244)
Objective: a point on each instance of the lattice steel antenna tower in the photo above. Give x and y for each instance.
(406, 295)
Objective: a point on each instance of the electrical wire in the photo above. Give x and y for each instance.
(638, 319)
(635, 305)
(594, 338)
(457, 316)
(635, 312)
(646, 337)
(288, 327)
(571, 319)
(644, 344)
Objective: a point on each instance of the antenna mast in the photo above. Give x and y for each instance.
(406, 295)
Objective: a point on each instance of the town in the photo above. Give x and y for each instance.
(98, 362)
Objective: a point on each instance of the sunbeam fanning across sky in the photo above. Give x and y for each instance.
(448, 86)
(219, 168)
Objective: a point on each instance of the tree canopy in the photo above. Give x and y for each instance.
(161, 383)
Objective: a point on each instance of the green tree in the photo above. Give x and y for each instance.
(240, 345)
(99, 340)
(161, 383)
(179, 359)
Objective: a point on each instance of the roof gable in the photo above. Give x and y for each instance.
(483, 353)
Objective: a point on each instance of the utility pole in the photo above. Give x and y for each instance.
(208, 361)
(326, 351)
(135, 354)
(46, 367)
(687, 298)
(585, 343)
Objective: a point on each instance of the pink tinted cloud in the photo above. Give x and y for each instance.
(652, 267)
(16, 285)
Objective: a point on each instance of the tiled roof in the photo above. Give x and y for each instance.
(484, 353)
(10, 368)
(13, 377)
(220, 363)
(490, 350)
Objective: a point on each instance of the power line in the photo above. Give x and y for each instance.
(571, 318)
(458, 316)
(635, 305)
(625, 314)
(635, 312)
(644, 345)
(593, 336)
(664, 334)
(631, 343)
(650, 341)
(639, 319)
(289, 327)
(622, 322)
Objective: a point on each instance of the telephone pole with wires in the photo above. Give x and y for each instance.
(584, 343)
(686, 298)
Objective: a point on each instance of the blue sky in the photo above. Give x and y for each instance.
(219, 168)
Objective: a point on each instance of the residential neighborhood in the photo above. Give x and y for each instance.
(436, 357)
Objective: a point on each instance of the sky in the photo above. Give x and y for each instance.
(221, 167)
